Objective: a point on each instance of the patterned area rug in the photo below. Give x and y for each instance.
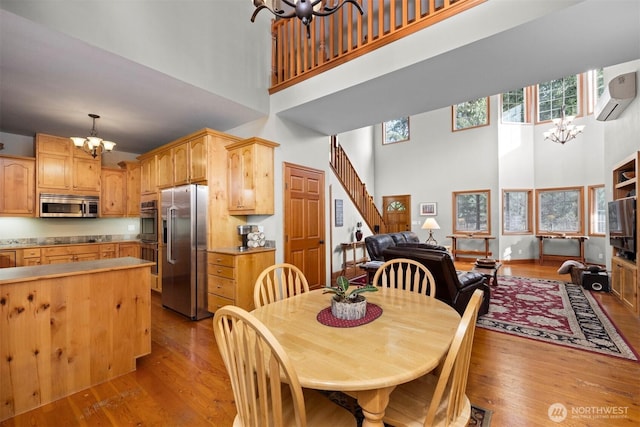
(479, 417)
(555, 312)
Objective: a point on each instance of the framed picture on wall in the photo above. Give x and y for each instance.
(339, 220)
(428, 208)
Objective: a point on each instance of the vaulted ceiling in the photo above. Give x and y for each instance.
(46, 77)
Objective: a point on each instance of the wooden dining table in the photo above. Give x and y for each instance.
(367, 362)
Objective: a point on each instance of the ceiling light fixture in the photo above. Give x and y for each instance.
(92, 144)
(563, 131)
(302, 9)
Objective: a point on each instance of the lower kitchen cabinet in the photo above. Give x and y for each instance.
(232, 275)
(71, 253)
(129, 249)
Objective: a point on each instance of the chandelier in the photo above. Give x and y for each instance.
(92, 144)
(563, 131)
(304, 10)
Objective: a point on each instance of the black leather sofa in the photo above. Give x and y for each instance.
(452, 287)
(377, 243)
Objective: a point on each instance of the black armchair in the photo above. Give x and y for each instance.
(452, 288)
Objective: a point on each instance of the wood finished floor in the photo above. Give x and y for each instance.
(183, 381)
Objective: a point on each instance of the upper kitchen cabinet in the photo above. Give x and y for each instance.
(113, 198)
(183, 163)
(250, 176)
(17, 186)
(148, 175)
(133, 186)
(62, 168)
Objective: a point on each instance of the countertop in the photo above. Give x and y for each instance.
(26, 274)
(235, 250)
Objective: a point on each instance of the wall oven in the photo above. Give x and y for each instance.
(149, 252)
(149, 221)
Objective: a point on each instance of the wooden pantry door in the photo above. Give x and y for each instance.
(304, 227)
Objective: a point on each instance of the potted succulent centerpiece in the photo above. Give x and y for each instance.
(345, 304)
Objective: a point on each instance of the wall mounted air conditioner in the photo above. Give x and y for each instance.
(617, 95)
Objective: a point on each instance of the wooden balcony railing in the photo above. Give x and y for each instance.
(356, 189)
(345, 35)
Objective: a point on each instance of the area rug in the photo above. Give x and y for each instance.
(554, 312)
(480, 417)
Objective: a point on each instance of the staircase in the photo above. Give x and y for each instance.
(355, 188)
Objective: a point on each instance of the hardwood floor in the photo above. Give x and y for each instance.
(183, 380)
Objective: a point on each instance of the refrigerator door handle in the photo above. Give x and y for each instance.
(170, 219)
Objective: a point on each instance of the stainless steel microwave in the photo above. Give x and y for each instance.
(69, 206)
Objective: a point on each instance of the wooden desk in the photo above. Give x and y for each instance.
(454, 245)
(408, 340)
(550, 257)
(352, 249)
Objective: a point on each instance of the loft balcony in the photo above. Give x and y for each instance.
(345, 35)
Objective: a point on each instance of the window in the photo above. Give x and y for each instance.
(516, 211)
(472, 212)
(470, 114)
(594, 88)
(514, 106)
(559, 210)
(396, 130)
(597, 211)
(556, 93)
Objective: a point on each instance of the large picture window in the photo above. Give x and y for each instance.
(472, 211)
(559, 210)
(516, 211)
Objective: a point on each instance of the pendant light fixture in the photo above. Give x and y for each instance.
(304, 10)
(564, 130)
(92, 144)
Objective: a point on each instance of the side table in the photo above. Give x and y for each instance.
(352, 249)
(491, 273)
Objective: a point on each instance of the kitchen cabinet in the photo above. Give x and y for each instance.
(7, 258)
(148, 175)
(232, 275)
(164, 161)
(129, 249)
(625, 277)
(250, 177)
(71, 253)
(17, 186)
(132, 188)
(108, 250)
(113, 198)
(62, 168)
(180, 157)
(31, 256)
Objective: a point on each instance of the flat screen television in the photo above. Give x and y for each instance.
(622, 226)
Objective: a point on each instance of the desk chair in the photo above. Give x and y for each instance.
(405, 274)
(277, 282)
(251, 353)
(440, 400)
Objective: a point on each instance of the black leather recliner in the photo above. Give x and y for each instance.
(452, 288)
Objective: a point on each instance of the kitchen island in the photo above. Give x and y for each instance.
(66, 327)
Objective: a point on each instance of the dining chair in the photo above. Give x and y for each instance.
(278, 282)
(440, 399)
(405, 274)
(250, 353)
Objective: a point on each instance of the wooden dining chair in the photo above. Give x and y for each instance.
(405, 274)
(251, 354)
(278, 282)
(440, 399)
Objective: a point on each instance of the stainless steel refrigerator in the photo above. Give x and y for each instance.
(184, 264)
